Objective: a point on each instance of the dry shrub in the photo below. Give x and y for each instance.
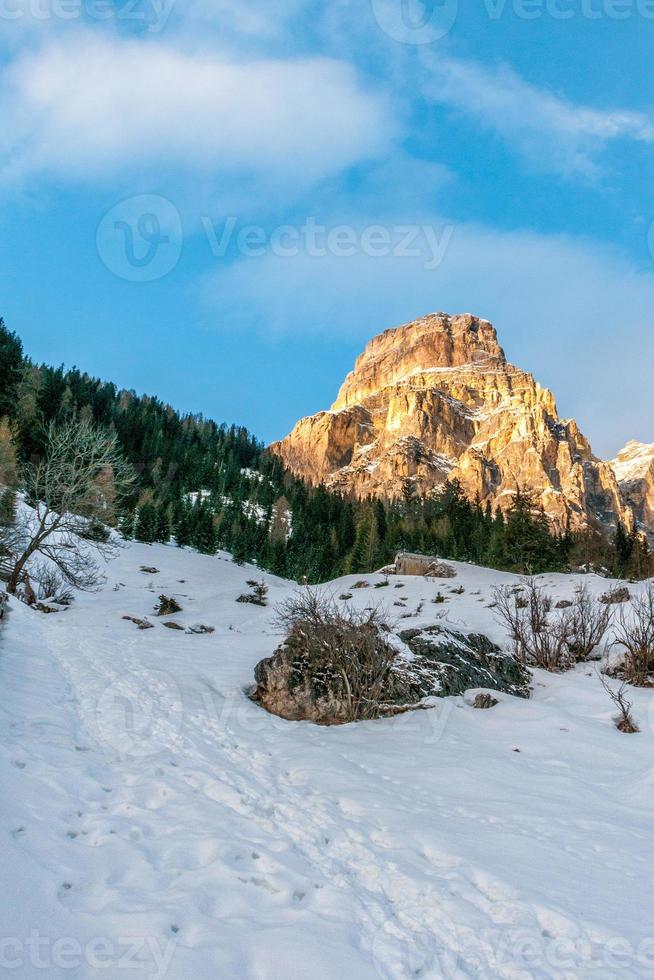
(348, 648)
(624, 721)
(554, 642)
(167, 606)
(588, 622)
(51, 584)
(634, 633)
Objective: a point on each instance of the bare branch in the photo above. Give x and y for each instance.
(634, 633)
(79, 481)
(624, 721)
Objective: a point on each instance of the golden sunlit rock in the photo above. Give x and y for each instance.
(436, 399)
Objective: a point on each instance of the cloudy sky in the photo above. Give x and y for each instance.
(220, 202)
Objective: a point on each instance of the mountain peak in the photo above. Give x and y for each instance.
(435, 399)
(435, 342)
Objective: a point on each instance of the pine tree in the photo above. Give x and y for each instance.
(182, 524)
(163, 523)
(127, 524)
(146, 523)
(11, 369)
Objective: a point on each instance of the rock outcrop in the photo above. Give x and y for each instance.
(433, 662)
(634, 471)
(452, 663)
(436, 399)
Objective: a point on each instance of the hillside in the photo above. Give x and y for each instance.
(210, 486)
(146, 800)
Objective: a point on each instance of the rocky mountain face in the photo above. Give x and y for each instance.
(436, 399)
(634, 470)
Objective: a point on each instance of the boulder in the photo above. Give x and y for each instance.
(451, 663)
(616, 596)
(484, 701)
(425, 565)
(425, 663)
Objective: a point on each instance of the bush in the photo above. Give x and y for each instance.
(556, 642)
(51, 585)
(167, 606)
(624, 721)
(95, 531)
(634, 633)
(588, 623)
(344, 655)
(258, 596)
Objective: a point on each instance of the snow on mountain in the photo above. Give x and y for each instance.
(634, 471)
(633, 461)
(436, 400)
(156, 823)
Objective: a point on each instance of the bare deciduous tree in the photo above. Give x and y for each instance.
(634, 633)
(80, 479)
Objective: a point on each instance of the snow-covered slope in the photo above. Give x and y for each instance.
(156, 823)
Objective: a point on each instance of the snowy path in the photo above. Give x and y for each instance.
(153, 817)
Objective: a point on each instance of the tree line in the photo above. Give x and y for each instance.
(208, 486)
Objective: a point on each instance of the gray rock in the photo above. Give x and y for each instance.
(485, 701)
(450, 663)
(620, 594)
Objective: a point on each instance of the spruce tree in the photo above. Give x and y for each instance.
(146, 523)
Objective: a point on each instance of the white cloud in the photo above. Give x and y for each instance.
(247, 18)
(88, 106)
(578, 315)
(552, 132)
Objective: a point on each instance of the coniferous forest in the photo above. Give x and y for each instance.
(210, 486)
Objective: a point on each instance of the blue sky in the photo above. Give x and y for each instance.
(221, 202)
